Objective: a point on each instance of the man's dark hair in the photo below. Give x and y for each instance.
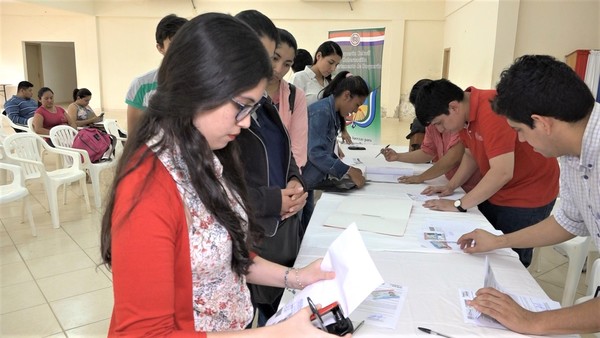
(302, 59)
(433, 99)
(539, 84)
(167, 27)
(24, 85)
(260, 23)
(416, 88)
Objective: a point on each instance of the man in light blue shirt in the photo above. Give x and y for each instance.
(552, 109)
(21, 107)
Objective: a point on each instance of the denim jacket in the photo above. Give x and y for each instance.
(323, 127)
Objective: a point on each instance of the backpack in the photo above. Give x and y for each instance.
(292, 97)
(99, 145)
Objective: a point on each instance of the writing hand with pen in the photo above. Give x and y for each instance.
(384, 150)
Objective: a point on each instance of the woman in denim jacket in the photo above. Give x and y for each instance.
(326, 118)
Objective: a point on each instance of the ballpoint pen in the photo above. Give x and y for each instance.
(358, 326)
(430, 331)
(381, 152)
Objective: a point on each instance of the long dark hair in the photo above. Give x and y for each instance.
(212, 58)
(80, 93)
(343, 81)
(328, 48)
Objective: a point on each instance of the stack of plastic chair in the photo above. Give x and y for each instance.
(24, 149)
(62, 137)
(15, 191)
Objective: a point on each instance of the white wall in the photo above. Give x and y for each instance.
(470, 33)
(423, 58)
(116, 43)
(557, 27)
(114, 40)
(29, 22)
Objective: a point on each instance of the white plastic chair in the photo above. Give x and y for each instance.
(62, 137)
(576, 250)
(24, 148)
(30, 124)
(17, 126)
(594, 282)
(15, 191)
(111, 127)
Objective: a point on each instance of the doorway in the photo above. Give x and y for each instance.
(52, 64)
(446, 63)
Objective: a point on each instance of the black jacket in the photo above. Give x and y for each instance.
(264, 199)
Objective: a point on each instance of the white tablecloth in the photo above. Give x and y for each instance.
(432, 279)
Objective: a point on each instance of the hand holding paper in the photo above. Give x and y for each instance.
(355, 277)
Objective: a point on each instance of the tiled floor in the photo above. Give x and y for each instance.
(51, 285)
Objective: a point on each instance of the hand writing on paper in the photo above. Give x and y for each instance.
(505, 310)
(440, 205)
(293, 199)
(389, 154)
(479, 240)
(442, 190)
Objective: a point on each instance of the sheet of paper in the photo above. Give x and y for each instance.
(422, 198)
(385, 215)
(355, 277)
(472, 316)
(441, 236)
(382, 307)
(386, 174)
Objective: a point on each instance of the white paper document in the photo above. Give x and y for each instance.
(472, 316)
(355, 278)
(422, 198)
(387, 216)
(386, 174)
(382, 307)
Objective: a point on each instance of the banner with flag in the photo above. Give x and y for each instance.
(363, 53)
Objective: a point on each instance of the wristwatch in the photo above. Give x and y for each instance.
(458, 204)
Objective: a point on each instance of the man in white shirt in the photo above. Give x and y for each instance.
(552, 109)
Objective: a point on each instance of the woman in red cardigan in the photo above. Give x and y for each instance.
(177, 233)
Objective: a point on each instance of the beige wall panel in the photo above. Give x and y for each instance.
(557, 27)
(470, 32)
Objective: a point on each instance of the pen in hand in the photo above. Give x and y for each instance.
(430, 331)
(381, 152)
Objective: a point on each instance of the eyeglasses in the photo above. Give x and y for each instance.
(245, 109)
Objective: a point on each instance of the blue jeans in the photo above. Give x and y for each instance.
(511, 219)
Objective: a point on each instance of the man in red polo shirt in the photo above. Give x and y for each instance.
(519, 186)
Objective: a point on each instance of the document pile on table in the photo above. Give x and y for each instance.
(382, 215)
(386, 174)
(472, 316)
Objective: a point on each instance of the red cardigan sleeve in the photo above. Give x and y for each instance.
(150, 257)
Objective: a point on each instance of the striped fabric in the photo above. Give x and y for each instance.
(579, 211)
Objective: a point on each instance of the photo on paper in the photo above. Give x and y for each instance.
(384, 294)
(434, 236)
(440, 245)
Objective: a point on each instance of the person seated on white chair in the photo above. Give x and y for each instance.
(553, 110)
(21, 106)
(49, 115)
(80, 110)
